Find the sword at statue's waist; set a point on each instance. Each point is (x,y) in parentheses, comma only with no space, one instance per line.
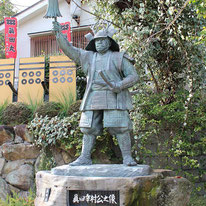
(105,79)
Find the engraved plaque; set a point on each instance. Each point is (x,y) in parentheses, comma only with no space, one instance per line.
(91,198)
(47,194)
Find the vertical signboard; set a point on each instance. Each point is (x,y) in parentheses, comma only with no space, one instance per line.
(10,37)
(6,76)
(62,79)
(66,29)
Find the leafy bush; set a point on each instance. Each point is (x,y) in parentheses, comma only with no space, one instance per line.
(74,107)
(177,131)
(46,161)
(55,131)
(16,200)
(16,113)
(65,134)
(2,108)
(169,108)
(50,109)
(197,200)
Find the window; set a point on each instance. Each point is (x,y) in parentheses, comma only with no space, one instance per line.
(48,45)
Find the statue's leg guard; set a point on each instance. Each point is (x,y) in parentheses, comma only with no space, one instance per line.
(125,147)
(87,146)
(89,138)
(120,125)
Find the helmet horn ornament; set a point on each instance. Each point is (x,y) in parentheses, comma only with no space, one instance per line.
(101,29)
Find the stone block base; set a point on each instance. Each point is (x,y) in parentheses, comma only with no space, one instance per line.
(156,189)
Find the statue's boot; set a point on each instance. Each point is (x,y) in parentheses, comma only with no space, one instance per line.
(125,147)
(85,157)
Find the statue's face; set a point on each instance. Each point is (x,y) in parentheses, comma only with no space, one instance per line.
(102,44)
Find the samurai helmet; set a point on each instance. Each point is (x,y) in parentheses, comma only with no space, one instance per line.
(101,30)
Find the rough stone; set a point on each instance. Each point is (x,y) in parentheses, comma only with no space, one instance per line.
(57,156)
(67,157)
(203,178)
(139,190)
(18,140)
(7,134)
(100,170)
(4,189)
(2,163)
(22,131)
(175,191)
(1,153)
(159,162)
(20,151)
(14,189)
(21,178)
(37,163)
(164,172)
(14,165)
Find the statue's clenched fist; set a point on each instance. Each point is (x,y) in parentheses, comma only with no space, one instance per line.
(56,27)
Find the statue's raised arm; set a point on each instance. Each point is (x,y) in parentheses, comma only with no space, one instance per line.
(69,50)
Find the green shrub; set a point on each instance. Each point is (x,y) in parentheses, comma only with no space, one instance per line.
(2,108)
(197,200)
(177,131)
(65,134)
(50,109)
(16,200)
(16,113)
(74,107)
(46,161)
(55,131)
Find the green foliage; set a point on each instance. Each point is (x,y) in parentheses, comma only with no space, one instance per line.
(66,99)
(33,104)
(65,134)
(16,113)
(6,10)
(74,107)
(177,132)
(55,131)
(16,200)
(169,108)
(46,161)
(50,109)
(200,6)
(2,108)
(197,201)
(167,57)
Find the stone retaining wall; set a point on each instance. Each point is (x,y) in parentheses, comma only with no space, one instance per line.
(20,159)
(17,160)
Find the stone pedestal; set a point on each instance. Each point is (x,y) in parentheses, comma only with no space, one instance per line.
(91,185)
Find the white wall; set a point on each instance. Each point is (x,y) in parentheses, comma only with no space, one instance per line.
(36,23)
(32,21)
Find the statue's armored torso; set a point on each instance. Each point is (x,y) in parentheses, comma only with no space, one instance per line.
(100,97)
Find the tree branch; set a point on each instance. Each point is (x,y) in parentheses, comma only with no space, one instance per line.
(171,23)
(99,17)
